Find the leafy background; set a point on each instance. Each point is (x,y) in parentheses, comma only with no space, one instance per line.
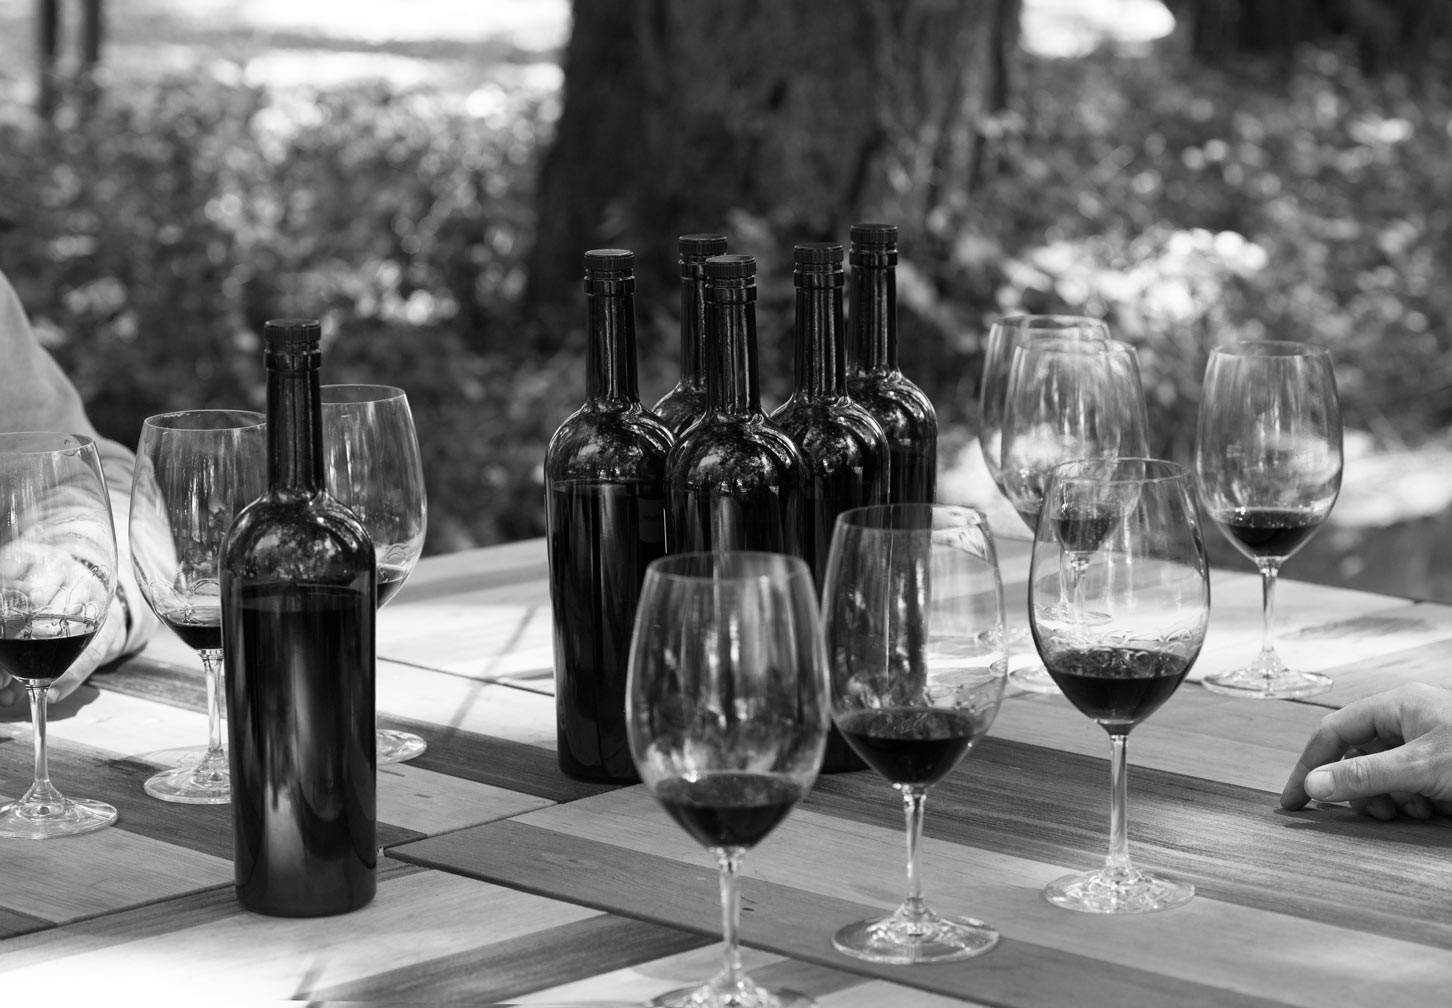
(1190,204)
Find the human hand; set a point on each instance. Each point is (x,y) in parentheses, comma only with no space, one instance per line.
(1386,755)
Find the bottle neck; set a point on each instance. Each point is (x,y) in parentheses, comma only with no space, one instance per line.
(821,367)
(611,375)
(294,423)
(693,325)
(874,317)
(731,380)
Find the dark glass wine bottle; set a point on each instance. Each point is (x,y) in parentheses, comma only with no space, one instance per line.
(844,448)
(298,587)
(734,481)
(683,404)
(605,521)
(874,378)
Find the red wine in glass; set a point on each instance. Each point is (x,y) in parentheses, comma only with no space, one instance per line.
(913,746)
(1117,687)
(1268,461)
(40,648)
(1125,644)
(1262,533)
(729,809)
(57,585)
(913,615)
(199,628)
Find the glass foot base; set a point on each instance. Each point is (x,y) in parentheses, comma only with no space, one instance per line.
(742,994)
(193,784)
(903,941)
(1255,684)
(1094,892)
(1034,678)
(45,820)
(396,746)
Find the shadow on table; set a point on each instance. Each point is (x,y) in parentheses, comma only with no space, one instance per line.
(1341,821)
(59,711)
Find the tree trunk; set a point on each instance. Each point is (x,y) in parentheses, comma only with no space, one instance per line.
(773,121)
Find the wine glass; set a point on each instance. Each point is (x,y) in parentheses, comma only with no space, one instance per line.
(1128,635)
(1268,463)
(1004,336)
(57,581)
(727,714)
(372,464)
(195,469)
(913,616)
(1065,399)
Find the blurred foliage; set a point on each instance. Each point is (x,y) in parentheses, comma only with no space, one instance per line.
(1189,205)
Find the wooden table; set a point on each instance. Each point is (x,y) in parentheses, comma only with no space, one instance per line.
(505,882)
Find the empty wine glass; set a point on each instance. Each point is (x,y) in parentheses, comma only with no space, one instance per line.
(1128,635)
(1268,462)
(195,470)
(727,714)
(1066,399)
(371,463)
(913,616)
(57,580)
(1004,337)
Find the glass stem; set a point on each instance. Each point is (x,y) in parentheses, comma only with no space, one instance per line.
(1078,564)
(912,806)
(211,670)
(729,859)
(1268,662)
(42,790)
(1117,867)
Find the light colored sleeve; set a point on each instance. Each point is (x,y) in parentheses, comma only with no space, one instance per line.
(36,395)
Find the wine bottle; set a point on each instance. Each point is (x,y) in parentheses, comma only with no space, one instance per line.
(605,521)
(844,448)
(683,404)
(298,586)
(734,481)
(874,378)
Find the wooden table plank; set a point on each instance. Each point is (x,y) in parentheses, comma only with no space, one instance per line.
(1250,743)
(209,949)
(1320,943)
(785,920)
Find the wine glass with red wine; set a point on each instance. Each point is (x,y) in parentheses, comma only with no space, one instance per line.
(57,581)
(1067,398)
(913,617)
(727,714)
(195,469)
(371,463)
(1122,641)
(1268,461)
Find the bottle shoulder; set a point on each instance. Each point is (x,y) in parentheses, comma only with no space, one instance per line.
(720,445)
(605,444)
(894,401)
(838,424)
(680,407)
(297,536)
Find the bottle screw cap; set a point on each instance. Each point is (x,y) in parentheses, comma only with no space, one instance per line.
(298,335)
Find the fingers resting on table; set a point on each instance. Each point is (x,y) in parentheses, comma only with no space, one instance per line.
(1387,755)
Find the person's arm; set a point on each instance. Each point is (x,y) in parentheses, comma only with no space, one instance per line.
(36,395)
(1387,754)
